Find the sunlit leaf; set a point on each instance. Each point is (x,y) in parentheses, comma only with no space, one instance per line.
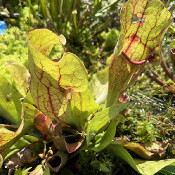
(23,171)
(149,151)
(8,137)
(10,105)
(152,167)
(107,137)
(102,118)
(81,107)
(168,170)
(99,85)
(20,75)
(52,82)
(28,98)
(139,150)
(144,167)
(46,171)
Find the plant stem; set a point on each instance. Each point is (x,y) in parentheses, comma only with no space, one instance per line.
(167,70)
(167,4)
(159,81)
(75,20)
(172,56)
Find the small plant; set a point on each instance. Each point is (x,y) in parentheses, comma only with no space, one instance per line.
(82,22)
(59,102)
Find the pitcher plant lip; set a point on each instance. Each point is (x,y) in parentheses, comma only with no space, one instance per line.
(138,62)
(61,42)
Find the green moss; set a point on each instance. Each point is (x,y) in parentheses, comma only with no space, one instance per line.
(111,38)
(13,46)
(57,52)
(29,18)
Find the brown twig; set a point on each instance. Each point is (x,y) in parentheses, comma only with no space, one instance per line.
(172,56)
(167,69)
(159,81)
(155,78)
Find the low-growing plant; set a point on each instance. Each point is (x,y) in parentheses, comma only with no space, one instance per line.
(82,22)
(60,105)
(13,46)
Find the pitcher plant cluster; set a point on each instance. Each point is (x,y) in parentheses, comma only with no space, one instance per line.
(65,107)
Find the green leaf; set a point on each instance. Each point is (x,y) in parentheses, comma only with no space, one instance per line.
(38,170)
(28,98)
(152,167)
(53,10)
(28,113)
(168,170)
(20,75)
(82,106)
(43,8)
(108,5)
(143,24)
(119,151)
(108,61)
(142,166)
(99,85)
(10,105)
(20,144)
(52,81)
(96,5)
(22,172)
(8,138)
(46,171)
(100,166)
(106,139)
(102,118)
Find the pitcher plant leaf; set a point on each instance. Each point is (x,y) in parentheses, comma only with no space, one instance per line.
(8,137)
(143,24)
(52,82)
(20,75)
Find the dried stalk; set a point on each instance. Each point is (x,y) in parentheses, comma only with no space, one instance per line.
(159,81)
(167,69)
(172,56)
(155,78)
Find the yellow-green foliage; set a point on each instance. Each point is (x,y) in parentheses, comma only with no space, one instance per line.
(13,46)
(57,52)
(110,38)
(27,21)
